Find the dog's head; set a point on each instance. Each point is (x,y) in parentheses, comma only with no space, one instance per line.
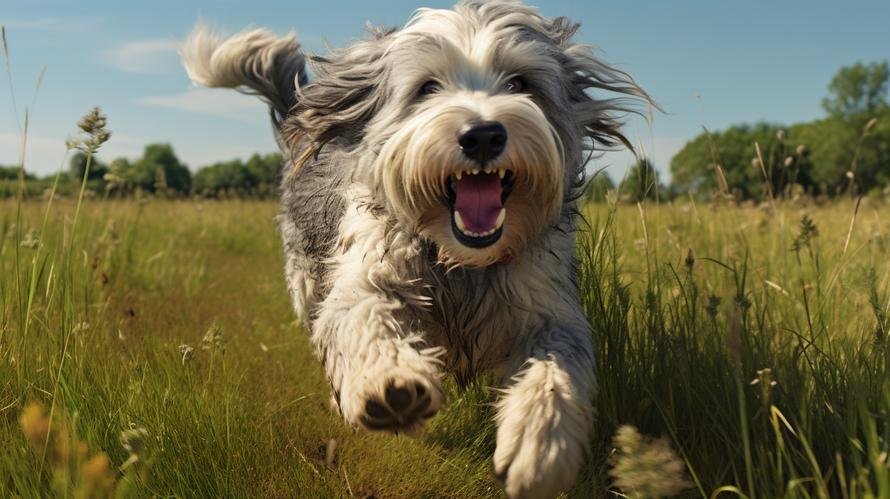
(472,125)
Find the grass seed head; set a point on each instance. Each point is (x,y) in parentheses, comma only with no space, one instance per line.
(93,132)
(646,467)
(187,353)
(213,339)
(780,135)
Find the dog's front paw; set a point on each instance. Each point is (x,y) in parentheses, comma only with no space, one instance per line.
(536,458)
(543,427)
(398,403)
(404,405)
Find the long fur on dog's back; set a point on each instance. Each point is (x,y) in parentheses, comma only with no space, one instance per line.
(255,62)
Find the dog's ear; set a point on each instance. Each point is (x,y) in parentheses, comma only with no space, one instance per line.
(339,102)
(588,78)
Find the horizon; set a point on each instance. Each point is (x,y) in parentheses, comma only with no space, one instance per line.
(757,63)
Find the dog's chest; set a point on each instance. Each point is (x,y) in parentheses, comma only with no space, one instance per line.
(473,319)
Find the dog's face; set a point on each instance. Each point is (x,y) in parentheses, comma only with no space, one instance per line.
(470,144)
(476,120)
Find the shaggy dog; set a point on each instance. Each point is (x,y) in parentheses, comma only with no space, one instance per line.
(428,215)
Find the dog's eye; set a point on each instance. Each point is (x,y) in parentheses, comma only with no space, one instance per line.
(429,88)
(515,85)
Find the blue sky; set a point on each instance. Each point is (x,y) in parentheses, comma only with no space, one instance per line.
(708,63)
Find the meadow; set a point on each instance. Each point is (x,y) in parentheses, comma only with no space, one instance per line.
(148,348)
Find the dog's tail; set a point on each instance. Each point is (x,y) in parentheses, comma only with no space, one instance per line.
(255,62)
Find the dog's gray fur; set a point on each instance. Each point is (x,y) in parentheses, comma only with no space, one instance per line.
(391,298)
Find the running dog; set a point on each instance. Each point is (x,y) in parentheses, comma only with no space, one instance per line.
(429,214)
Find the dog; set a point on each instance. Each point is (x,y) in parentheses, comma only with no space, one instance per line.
(428,214)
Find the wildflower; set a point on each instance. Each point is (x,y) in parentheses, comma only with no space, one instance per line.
(789,160)
(98,476)
(646,467)
(35,425)
(213,339)
(187,353)
(132,440)
(801,149)
(31,240)
(94,133)
(755,162)
(780,135)
(765,380)
(764,376)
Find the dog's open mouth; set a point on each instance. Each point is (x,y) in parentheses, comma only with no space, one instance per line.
(476,200)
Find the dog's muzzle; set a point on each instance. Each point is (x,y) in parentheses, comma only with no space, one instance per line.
(476,196)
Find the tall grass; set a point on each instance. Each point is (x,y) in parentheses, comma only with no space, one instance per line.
(760,350)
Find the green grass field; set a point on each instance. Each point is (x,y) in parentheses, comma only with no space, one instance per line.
(172,317)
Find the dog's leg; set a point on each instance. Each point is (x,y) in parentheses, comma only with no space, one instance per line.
(545,414)
(383,378)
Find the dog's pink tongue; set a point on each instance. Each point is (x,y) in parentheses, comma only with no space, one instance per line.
(478,200)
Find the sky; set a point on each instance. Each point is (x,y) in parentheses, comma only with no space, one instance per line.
(707,63)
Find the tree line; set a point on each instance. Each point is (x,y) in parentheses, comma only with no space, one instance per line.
(846,152)
(159,172)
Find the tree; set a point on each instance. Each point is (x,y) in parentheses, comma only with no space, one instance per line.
(264,169)
(258,177)
(859,90)
(144,172)
(78,164)
(834,143)
(12,173)
(641,182)
(222,177)
(597,187)
(727,162)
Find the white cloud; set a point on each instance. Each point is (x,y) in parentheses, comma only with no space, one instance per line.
(222,103)
(51,24)
(144,56)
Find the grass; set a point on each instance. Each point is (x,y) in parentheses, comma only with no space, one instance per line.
(98,335)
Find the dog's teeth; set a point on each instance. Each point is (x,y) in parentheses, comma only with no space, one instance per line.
(475,171)
(459,222)
(501,216)
(488,171)
(502,172)
(458,175)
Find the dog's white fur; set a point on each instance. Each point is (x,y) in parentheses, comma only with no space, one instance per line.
(391,297)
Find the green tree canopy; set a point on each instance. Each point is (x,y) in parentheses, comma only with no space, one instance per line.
(12,173)
(159,165)
(641,182)
(858,90)
(259,176)
(78,163)
(597,188)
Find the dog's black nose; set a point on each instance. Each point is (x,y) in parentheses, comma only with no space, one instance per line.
(483,141)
